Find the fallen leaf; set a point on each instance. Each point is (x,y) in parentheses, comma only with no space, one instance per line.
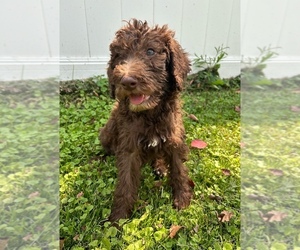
(215,197)
(33,195)
(295,108)
(3,242)
(61,243)
(79,194)
(261,198)
(226,172)
(173,230)
(237,108)
(296,91)
(225,216)
(276,172)
(76,237)
(193,117)
(158,184)
(40,228)
(27,237)
(273,216)
(238,91)
(196,229)
(159,225)
(198,144)
(242,144)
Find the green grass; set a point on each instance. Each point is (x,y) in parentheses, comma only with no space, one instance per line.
(29,197)
(87,181)
(269,174)
(270,168)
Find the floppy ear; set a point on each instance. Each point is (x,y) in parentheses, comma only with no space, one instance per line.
(179,65)
(112,86)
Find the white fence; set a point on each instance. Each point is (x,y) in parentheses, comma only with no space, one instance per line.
(70,38)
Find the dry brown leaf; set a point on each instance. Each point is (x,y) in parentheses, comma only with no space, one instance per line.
(33,195)
(193,117)
(158,184)
(173,230)
(273,216)
(215,197)
(261,198)
(61,243)
(226,172)
(76,237)
(79,194)
(225,216)
(27,237)
(196,229)
(295,108)
(3,243)
(276,172)
(237,108)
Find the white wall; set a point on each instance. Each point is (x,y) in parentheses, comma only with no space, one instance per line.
(70,38)
(274,23)
(29,39)
(88,27)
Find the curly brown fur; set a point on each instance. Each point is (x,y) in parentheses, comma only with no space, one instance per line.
(146,73)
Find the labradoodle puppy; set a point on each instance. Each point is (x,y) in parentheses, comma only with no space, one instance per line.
(146,73)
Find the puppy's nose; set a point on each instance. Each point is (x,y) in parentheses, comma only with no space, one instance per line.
(129,82)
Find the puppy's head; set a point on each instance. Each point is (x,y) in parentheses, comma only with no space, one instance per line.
(146,64)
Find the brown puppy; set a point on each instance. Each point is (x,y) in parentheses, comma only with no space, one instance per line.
(146,73)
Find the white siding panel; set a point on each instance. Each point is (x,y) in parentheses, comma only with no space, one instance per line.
(289,39)
(11,72)
(51,18)
(103,19)
(262,25)
(194,19)
(234,31)
(40,71)
(218,24)
(22,29)
(139,9)
(169,12)
(78,32)
(73,29)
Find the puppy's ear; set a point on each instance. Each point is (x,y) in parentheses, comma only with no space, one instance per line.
(112,86)
(178,64)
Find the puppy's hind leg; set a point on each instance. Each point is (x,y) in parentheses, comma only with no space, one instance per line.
(160,168)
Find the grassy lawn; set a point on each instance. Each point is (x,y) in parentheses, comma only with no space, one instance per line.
(267,209)
(257,208)
(87,181)
(270,168)
(29,198)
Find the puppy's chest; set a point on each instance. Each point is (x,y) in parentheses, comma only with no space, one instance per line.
(151,141)
(150,136)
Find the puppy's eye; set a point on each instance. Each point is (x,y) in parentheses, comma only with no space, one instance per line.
(150,52)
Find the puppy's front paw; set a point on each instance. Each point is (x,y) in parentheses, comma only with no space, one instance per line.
(183,200)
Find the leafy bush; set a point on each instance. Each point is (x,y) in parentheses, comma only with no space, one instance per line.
(208,76)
